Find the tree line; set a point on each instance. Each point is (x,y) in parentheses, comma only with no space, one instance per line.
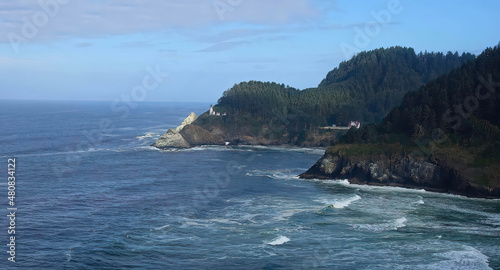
(365,89)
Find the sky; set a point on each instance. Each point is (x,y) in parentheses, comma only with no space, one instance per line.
(194,50)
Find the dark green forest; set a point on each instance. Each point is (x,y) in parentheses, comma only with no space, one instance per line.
(364,89)
(452,120)
(464,105)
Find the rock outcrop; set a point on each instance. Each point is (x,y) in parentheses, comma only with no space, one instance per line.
(400,171)
(171,139)
(187,135)
(188,121)
(196,135)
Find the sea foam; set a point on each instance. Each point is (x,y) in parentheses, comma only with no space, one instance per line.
(283,174)
(469,258)
(387,226)
(162,227)
(279,241)
(400,223)
(341,203)
(346,202)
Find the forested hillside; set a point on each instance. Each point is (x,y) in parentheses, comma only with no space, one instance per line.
(453,120)
(364,89)
(377,80)
(464,105)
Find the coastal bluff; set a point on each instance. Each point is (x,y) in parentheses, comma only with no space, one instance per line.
(399,170)
(187,135)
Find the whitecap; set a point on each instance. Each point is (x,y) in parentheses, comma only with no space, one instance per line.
(288,209)
(274,174)
(346,202)
(147,135)
(281,175)
(249,217)
(208,148)
(162,227)
(400,223)
(315,151)
(279,241)
(193,223)
(469,258)
(381,227)
(148,147)
(341,203)
(387,189)
(343,182)
(384,189)
(285,214)
(223,221)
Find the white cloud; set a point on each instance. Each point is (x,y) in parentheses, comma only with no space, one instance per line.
(94,19)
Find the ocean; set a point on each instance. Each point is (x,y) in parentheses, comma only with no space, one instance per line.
(92,194)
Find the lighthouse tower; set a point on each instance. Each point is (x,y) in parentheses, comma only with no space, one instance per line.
(211,111)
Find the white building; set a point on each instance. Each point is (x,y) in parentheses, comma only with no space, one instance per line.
(212,112)
(354,124)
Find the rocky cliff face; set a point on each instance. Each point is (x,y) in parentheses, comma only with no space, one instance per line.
(196,135)
(400,171)
(187,135)
(171,139)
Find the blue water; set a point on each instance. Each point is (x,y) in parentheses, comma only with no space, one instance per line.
(106,200)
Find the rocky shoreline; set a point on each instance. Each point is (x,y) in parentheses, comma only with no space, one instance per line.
(396,170)
(189,134)
(399,171)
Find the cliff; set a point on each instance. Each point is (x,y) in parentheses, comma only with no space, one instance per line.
(429,141)
(396,167)
(196,135)
(187,135)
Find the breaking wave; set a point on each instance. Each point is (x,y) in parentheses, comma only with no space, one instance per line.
(388,226)
(279,241)
(274,174)
(341,203)
(469,258)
